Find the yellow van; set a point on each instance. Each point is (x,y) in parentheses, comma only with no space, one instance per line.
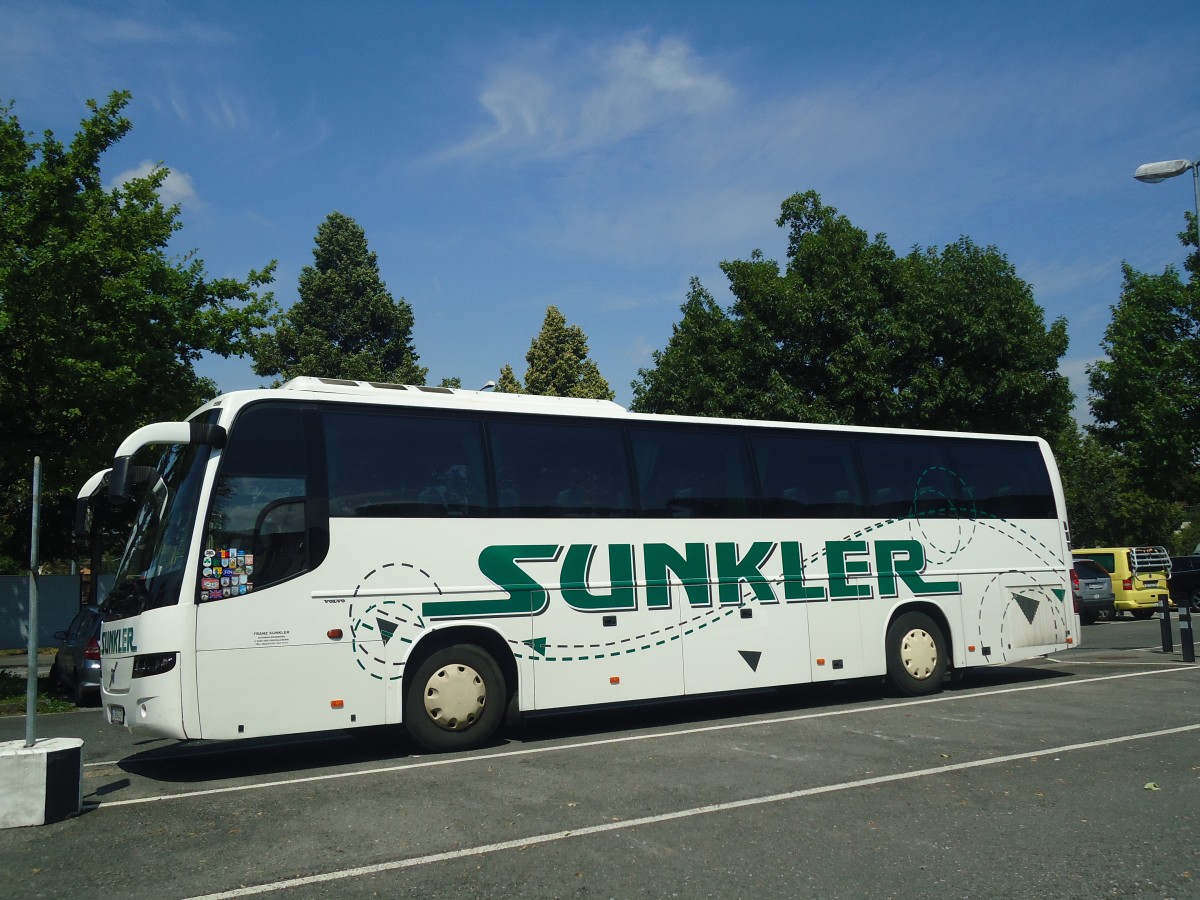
(1139,575)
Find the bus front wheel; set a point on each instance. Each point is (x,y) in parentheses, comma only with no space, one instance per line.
(916,655)
(455,700)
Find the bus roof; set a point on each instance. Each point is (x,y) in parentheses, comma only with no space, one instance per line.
(344,390)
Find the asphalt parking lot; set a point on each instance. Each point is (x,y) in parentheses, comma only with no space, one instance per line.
(1074,776)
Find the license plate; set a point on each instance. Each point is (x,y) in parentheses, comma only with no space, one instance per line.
(1151,584)
(116,715)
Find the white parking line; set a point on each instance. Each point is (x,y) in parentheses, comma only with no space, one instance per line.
(657,735)
(551,837)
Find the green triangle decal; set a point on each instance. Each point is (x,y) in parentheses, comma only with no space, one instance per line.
(1059,593)
(386,629)
(538,645)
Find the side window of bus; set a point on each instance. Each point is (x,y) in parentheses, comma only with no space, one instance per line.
(693,473)
(809,476)
(555,468)
(1005,480)
(908,477)
(256,526)
(395,463)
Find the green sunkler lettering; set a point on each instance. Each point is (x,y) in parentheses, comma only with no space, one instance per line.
(854,569)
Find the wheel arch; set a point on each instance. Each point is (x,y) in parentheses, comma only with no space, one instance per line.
(939,617)
(484,638)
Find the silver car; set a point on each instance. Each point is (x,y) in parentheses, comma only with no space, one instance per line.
(77,664)
(1092,589)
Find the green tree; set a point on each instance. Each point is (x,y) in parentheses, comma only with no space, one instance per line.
(100,328)
(1145,393)
(821,338)
(345,324)
(559,365)
(979,356)
(700,370)
(1106,504)
(850,333)
(508,383)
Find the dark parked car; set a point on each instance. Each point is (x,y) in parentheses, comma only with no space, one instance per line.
(77,664)
(1092,589)
(1184,583)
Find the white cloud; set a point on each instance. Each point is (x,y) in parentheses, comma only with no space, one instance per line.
(176,187)
(558,101)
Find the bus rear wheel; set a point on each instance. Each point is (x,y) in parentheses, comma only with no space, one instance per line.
(455,700)
(916,655)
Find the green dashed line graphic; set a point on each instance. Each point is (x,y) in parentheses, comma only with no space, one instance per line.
(386,620)
(541,650)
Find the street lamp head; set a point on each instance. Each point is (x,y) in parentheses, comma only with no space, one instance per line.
(1152,173)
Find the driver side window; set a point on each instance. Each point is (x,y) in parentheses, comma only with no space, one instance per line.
(257,529)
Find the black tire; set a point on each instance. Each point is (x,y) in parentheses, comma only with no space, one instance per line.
(55,675)
(916,655)
(1194,600)
(1143,614)
(1087,618)
(455,699)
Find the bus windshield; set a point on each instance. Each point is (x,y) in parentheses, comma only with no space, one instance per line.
(151,571)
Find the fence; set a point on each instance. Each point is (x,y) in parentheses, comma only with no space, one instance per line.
(58,601)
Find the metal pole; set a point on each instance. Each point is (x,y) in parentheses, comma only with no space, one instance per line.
(1196,189)
(1186,640)
(1164,607)
(32,671)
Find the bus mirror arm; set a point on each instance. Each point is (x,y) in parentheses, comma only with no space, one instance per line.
(83,501)
(124,477)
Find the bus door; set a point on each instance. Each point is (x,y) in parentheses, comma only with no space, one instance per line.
(270,651)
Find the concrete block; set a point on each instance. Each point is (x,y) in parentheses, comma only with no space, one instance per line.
(42,783)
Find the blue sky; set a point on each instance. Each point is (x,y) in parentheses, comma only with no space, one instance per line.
(505,156)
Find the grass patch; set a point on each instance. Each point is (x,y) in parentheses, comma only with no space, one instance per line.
(13,690)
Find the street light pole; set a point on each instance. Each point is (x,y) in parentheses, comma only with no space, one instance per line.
(1153,173)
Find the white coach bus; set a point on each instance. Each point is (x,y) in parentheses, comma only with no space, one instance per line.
(333,554)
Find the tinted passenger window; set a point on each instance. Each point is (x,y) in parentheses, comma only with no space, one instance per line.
(908,477)
(693,473)
(1089,569)
(807,476)
(1005,480)
(395,463)
(553,468)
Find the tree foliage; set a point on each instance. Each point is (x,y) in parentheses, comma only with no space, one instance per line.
(99,327)
(700,371)
(1145,393)
(508,382)
(850,333)
(558,364)
(345,324)
(1106,502)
